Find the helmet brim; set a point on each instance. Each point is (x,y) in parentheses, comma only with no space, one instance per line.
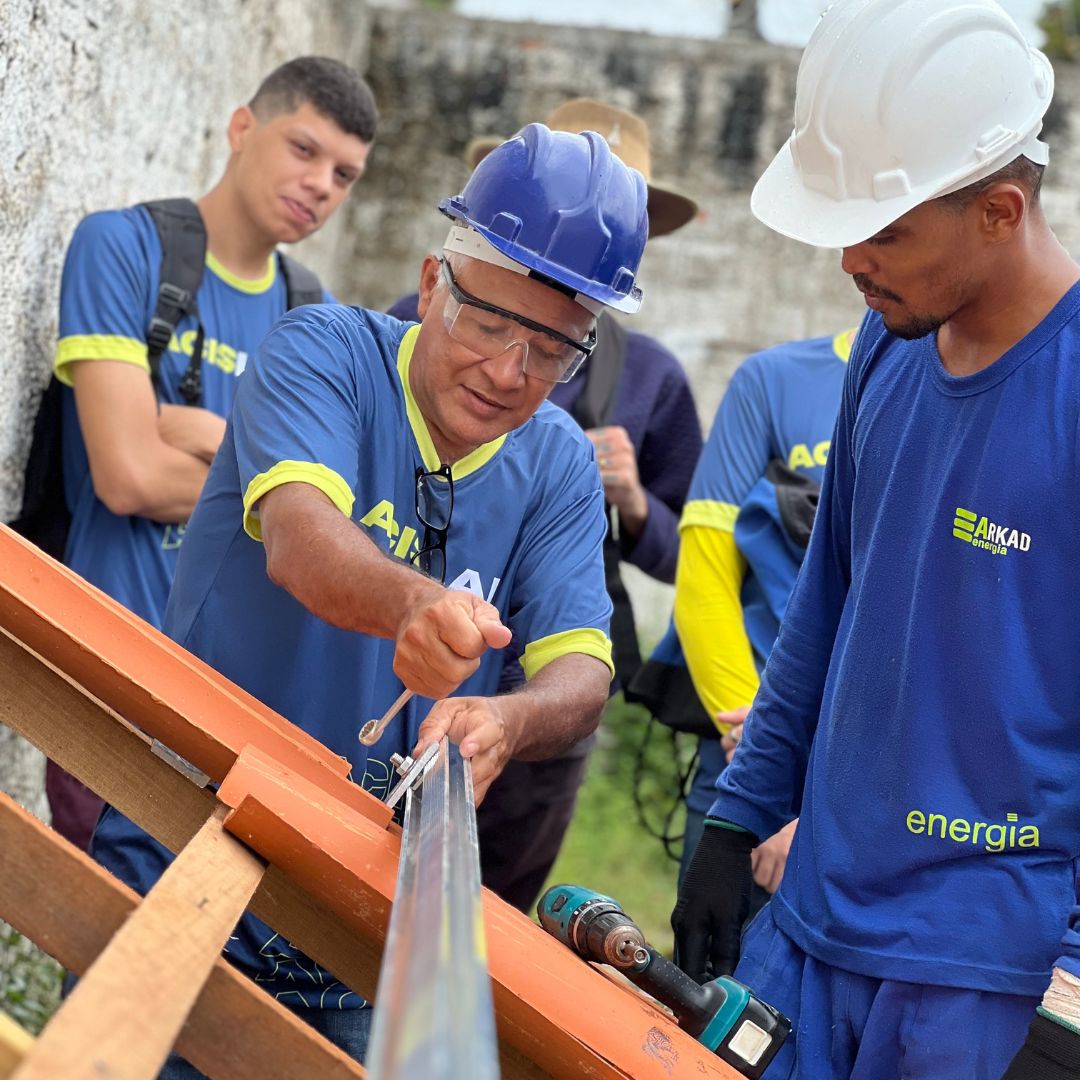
(668,209)
(781,201)
(512,257)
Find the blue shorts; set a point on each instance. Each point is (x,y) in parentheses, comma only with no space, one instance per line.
(852,1027)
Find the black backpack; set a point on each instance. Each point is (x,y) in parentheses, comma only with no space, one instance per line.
(44,518)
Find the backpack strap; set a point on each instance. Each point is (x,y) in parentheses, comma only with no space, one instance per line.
(182,233)
(302,286)
(593,408)
(603,370)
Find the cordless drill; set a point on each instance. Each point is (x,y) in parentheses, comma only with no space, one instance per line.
(722,1015)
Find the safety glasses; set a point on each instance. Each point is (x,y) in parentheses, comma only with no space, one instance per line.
(434,505)
(489,331)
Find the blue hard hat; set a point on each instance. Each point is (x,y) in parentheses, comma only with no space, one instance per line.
(565,207)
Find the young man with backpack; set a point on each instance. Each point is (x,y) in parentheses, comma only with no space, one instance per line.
(161,304)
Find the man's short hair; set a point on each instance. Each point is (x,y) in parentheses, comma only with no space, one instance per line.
(332,88)
(1020,170)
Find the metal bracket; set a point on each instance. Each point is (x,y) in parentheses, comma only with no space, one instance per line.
(181,765)
(411,773)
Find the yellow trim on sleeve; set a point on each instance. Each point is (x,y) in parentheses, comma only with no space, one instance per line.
(244,285)
(70,350)
(588,640)
(709,514)
(709,620)
(326,480)
(470,462)
(843,342)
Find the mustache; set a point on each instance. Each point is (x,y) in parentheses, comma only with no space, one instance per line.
(864,284)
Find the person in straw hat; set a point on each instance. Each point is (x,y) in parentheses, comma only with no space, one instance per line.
(633,401)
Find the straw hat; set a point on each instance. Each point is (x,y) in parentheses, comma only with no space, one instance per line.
(628,136)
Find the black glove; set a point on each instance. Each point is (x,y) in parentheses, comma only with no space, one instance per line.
(1050,1052)
(714,899)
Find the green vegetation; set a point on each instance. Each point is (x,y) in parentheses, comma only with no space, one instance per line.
(607,847)
(29,981)
(1060,22)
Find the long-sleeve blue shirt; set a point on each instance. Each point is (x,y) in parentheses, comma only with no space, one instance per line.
(921,706)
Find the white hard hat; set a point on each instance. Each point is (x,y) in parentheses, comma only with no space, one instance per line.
(898,102)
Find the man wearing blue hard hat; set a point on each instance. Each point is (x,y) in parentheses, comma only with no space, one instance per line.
(391,502)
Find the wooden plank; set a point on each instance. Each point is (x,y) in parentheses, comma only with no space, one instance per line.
(114,759)
(140,673)
(125,1013)
(15,1043)
(539,986)
(75,924)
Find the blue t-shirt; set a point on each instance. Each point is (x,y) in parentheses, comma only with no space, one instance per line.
(781,403)
(326,401)
(108,295)
(919,709)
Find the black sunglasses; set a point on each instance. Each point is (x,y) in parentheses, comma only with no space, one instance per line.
(434,506)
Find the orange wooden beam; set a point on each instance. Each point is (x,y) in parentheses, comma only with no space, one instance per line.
(113,759)
(146,677)
(291,802)
(540,987)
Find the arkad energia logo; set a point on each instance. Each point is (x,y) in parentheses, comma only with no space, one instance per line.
(981,532)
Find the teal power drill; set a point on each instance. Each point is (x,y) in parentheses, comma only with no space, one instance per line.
(722,1015)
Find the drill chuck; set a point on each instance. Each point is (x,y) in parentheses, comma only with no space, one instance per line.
(599,930)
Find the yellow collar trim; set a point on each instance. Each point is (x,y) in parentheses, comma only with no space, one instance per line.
(843,342)
(245,285)
(471,461)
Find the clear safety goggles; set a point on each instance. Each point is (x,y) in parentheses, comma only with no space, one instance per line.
(489,331)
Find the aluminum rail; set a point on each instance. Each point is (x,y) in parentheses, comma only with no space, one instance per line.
(434,1018)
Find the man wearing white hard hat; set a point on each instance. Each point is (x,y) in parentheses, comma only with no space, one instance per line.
(919,707)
